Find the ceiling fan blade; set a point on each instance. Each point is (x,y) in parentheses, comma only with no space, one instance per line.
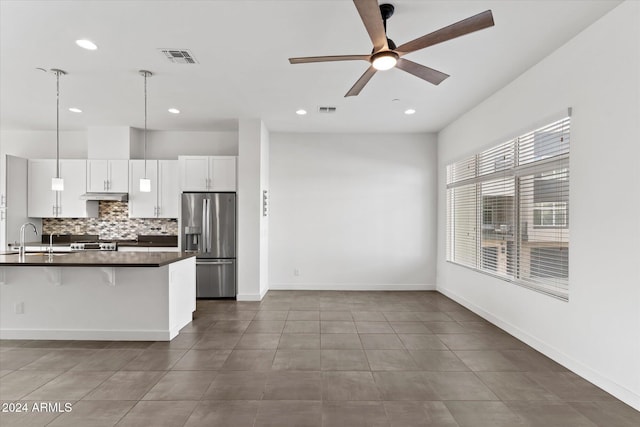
(308,59)
(372,19)
(474,23)
(362,81)
(425,73)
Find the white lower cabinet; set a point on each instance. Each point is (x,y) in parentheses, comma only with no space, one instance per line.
(42,202)
(163,199)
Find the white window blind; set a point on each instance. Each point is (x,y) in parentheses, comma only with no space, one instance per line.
(508,210)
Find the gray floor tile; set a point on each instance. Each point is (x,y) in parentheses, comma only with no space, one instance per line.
(93,414)
(217,342)
(437,360)
(340,342)
(32,418)
(229,327)
(433,316)
(343,360)
(237,385)
(287,385)
(59,360)
(16,358)
(514,386)
(349,385)
(354,414)
(183,341)
(466,341)
(568,386)
(181,385)
(258,341)
(299,341)
(158,414)
(374,328)
(409,328)
(223,413)
(381,341)
(419,414)
(283,413)
(249,360)
(336,315)
(337,327)
(485,360)
(614,413)
(484,414)
(390,360)
(421,342)
(368,316)
(458,386)
(304,315)
(297,360)
(549,414)
(446,328)
(265,327)
(302,327)
(125,385)
(72,385)
(108,360)
(155,360)
(531,361)
(401,316)
(202,360)
(403,386)
(18,384)
(271,315)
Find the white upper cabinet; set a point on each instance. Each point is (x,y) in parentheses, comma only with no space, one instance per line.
(162,200)
(107,176)
(168,189)
(207,173)
(42,202)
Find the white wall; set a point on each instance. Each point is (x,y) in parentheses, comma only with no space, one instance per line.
(596,333)
(42,144)
(253,140)
(160,144)
(352,211)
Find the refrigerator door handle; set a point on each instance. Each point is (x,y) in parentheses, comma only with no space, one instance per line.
(214,262)
(205,225)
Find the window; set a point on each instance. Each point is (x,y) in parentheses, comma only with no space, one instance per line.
(508,210)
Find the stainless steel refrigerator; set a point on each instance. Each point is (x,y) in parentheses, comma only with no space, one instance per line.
(209,228)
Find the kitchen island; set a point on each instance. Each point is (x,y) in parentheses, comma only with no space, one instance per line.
(96,295)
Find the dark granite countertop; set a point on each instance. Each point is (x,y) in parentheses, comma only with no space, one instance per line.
(95,259)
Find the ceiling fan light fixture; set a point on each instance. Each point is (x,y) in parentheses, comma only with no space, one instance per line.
(386,60)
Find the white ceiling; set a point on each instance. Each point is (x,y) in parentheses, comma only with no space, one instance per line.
(243,72)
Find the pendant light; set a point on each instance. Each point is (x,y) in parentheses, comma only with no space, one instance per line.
(57,183)
(145,183)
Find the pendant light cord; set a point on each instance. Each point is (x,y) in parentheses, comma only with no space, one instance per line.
(145,125)
(57,124)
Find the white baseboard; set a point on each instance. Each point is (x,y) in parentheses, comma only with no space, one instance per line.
(350,287)
(621,392)
(82,335)
(252,297)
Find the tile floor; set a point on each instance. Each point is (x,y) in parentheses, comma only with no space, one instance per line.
(306,359)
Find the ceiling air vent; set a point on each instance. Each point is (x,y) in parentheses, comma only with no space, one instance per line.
(179,56)
(327,110)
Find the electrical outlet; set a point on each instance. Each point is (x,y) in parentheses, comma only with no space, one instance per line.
(18,308)
(296,271)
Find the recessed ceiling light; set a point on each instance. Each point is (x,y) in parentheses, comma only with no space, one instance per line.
(301,112)
(75,110)
(86,44)
(409,111)
(174,111)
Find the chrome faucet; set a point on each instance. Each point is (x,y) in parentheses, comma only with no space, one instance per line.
(22,247)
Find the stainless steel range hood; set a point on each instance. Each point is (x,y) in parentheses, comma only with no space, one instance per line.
(113,197)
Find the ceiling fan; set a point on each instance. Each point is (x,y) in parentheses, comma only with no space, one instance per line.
(385,55)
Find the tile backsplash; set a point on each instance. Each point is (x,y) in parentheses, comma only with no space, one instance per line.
(113,222)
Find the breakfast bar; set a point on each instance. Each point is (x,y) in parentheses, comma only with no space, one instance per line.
(96,295)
